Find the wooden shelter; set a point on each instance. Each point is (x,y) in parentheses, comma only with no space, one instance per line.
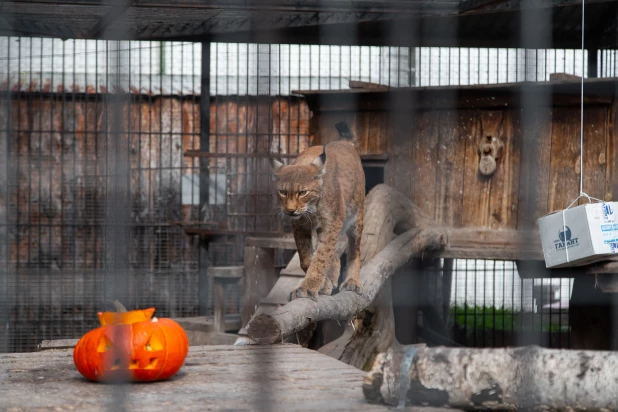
(468,170)
(431,142)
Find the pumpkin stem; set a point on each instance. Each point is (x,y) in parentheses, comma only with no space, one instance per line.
(119,306)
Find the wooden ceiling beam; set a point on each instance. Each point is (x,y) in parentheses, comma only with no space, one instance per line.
(117,9)
(492,6)
(289,6)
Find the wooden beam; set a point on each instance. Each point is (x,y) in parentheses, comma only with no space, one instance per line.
(560,93)
(271,243)
(203,154)
(209,233)
(117,9)
(535,269)
(355,84)
(479,243)
(354,6)
(493,6)
(490,244)
(480,5)
(226,272)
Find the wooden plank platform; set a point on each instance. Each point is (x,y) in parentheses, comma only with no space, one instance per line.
(464,243)
(239,378)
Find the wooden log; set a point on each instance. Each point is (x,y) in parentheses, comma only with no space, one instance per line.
(529,378)
(287,320)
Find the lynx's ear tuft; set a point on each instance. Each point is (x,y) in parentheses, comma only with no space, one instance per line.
(320,164)
(276,166)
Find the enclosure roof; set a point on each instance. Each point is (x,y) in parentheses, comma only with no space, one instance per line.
(560,92)
(482,23)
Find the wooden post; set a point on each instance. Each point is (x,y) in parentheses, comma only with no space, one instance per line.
(219,314)
(405,297)
(221,277)
(590,315)
(447,284)
(431,302)
(260,276)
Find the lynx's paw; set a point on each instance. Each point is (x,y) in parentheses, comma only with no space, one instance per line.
(302,292)
(327,289)
(352,285)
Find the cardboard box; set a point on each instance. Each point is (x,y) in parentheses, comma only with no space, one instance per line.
(588,233)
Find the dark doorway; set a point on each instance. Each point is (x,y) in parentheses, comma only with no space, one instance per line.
(374,175)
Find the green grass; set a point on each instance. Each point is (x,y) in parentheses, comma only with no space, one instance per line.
(499,319)
(484,317)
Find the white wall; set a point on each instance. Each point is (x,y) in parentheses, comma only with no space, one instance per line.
(175,67)
(497,283)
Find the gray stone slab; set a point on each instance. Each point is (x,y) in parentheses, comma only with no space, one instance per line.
(214,378)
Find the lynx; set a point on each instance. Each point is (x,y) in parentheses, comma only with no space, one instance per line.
(324,189)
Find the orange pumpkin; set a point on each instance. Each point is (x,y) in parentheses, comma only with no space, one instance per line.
(131,346)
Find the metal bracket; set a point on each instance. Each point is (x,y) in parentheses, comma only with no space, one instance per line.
(490,150)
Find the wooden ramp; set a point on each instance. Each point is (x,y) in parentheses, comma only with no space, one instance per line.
(214,378)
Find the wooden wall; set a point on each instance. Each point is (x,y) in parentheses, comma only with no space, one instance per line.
(431,137)
(60,157)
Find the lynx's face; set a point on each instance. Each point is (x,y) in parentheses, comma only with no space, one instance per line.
(299,187)
(298,191)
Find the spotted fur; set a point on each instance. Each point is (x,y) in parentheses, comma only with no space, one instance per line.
(324,190)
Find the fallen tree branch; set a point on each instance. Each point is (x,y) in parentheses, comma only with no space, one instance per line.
(288,319)
(529,378)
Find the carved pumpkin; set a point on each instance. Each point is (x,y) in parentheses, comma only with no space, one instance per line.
(131,346)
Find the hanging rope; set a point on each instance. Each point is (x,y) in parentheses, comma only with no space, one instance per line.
(581,142)
(581,125)
(581,131)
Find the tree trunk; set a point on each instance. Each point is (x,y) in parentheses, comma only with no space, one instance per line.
(373,331)
(528,378)
(387,213)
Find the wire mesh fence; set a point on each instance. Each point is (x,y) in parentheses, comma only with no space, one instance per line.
(105,135)
(492,306)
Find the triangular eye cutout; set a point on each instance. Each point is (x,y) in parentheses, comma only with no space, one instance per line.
(104,344)
(154,344)
(152,363)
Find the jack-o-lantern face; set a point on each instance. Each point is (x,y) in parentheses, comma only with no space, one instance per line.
(131,346)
